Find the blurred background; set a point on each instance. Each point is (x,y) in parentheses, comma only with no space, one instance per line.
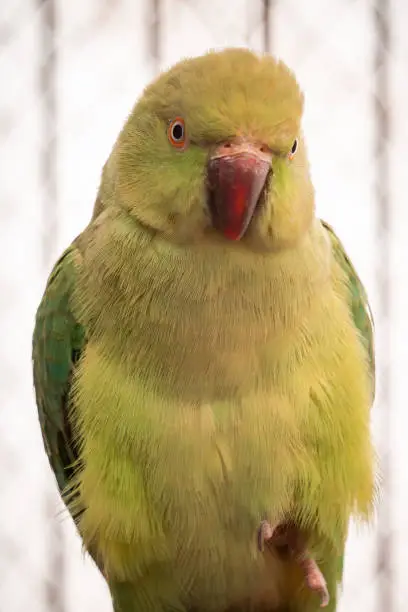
(69,74)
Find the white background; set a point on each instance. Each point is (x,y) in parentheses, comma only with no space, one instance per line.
(103,55)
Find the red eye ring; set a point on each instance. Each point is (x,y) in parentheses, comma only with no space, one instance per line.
(176,133)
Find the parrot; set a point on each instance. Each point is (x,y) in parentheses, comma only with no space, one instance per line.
(203,355)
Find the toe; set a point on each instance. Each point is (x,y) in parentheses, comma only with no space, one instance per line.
(265,532)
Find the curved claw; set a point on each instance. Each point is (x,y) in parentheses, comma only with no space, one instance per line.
(315,580)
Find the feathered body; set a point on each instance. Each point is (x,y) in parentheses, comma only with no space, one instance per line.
(217,382)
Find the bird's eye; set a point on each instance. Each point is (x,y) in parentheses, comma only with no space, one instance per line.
(176,133)
(293,150)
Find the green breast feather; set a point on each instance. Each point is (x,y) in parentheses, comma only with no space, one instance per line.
(59,339)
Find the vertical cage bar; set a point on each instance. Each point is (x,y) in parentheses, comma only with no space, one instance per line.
(48,159)
(266,21)
(155,32)
(382,110)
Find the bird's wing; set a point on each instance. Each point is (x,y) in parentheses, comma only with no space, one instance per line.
(359,304)
(58,341)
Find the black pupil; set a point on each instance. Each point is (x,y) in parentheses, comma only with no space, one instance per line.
(294,147)
(178,131)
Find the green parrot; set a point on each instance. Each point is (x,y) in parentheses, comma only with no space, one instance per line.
(203,356)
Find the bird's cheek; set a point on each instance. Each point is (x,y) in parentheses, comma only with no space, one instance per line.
(284,217)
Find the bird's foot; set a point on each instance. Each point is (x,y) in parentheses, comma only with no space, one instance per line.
(281,535)
(314,577)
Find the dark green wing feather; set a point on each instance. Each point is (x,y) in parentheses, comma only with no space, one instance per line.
(360,307)
(57,344)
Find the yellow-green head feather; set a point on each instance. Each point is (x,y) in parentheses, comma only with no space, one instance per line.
(221,95)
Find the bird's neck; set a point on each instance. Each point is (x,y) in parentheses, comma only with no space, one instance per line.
(144,279)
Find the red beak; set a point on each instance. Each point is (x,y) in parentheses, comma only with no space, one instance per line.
(237,174)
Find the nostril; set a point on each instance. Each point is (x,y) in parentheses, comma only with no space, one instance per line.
(264,149)
(227,145)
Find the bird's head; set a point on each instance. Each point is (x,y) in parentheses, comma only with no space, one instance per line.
(214,150)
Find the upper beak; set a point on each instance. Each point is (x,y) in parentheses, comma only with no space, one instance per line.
(237,173)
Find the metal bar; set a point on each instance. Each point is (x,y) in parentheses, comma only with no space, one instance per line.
(49,117)
(155,32)
(382,110)
(267,22)
(54,587)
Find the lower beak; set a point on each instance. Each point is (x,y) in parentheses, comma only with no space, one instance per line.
(236,175)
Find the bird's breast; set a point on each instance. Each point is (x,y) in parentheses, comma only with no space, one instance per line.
(217,349)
